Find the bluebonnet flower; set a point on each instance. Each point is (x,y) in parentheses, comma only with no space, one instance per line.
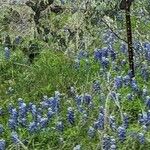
(105,52)
(106,142)
(87,98)
(112,123)
(82,54)
(118,82)
(22,110)
(99,124)
(113,147)
(1,129)
(144,93)
(147,101)
(147,55)
(91,106)
(130,74)
(123,48)
(96,125)
(70,116)
(109,37)
(30,106)
(7,53)
(54,104)
(44,104)
(1,111)
(129,96)
(38,119)
(84,116)
(33,110)
(121,133)
(141,120)
(50,113)
(14,114)
(15,138)
(96,86)
(33,127)
(144,127)
(80,108)
(57,95)
(134,86)
(60,126)
(101,110)
(105,62)
(20,101)
(77,63)
(113,95)
(12,123)
(126,80)
(113,144)
(77,147)
(141,138)
(125,120)
(2,144)
(146,45)
(106,37)
(145,73)
(113,54)
(39,111)
(137,45)
(97,54)
(79,99)
(18,40)
(91,132)
(145,117)
(43,122)
(148,115)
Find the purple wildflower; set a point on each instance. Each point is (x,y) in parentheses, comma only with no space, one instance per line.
(118,82)
(91,132)
(106,142)
(87,98)
(70,116)
(60,126)
(1,129)
(125,120)
(141,138)
(15,138)
(33,127)
(2,144)
(112,123)
(7,53)
(121,133)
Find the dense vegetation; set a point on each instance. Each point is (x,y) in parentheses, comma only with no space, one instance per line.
(65,81)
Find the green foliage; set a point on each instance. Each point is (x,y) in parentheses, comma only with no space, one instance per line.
(54,68)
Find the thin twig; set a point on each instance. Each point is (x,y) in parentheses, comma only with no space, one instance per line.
(22,65)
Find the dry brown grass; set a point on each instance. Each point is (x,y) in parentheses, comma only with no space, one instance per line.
(24,27)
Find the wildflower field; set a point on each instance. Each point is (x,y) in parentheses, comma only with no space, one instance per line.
(65,80)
